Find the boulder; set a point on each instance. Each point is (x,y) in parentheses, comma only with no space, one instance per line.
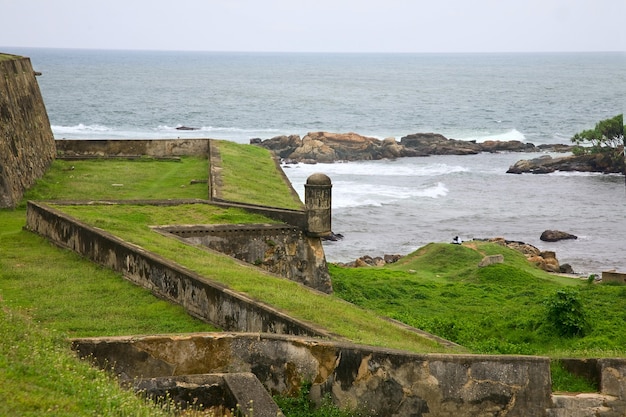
(604,162)
(436,144)
(555,236)
(491,260)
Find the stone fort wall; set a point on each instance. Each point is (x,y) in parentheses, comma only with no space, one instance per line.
(27,146)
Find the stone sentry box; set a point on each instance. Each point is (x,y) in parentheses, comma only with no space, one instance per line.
(318,201)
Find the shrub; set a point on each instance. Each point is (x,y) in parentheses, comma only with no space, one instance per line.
(566,313)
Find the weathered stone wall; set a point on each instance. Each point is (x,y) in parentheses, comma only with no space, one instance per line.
(132,148)
(26,140)
(280,249)
(380,381)
(610,276)
(201,297)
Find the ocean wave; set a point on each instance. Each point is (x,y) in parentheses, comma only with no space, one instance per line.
(349,195)
(480,137)
(80,128)
(383,168)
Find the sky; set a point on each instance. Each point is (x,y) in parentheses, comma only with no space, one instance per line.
(317,25)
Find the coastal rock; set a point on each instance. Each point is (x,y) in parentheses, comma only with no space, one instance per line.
(368,261)
(545,260)
(600,162)
(556,235)
(330,147)
(436,144)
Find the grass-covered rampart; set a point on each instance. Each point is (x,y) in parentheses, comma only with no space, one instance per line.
(48,294)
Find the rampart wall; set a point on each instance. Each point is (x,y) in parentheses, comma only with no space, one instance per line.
(202,298)
(380,381)
(280,249)
(26,142)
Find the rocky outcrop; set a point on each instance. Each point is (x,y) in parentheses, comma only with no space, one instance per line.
(545,260)
(330,147)
(604,162)
(436,144)
(556,235)
(365,261)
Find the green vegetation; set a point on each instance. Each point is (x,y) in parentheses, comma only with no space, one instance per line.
(122,180)
(564,381)
(605,142)
(301,406)
(507,308)
(131,223)
(606,135)
(40,376)
(59,293)
(48,294)
(249,175)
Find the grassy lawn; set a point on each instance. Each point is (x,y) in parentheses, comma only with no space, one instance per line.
(249,175)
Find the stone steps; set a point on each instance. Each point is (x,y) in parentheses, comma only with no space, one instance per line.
(586,405)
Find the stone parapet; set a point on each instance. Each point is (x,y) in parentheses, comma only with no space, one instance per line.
(381,382)
(201,297)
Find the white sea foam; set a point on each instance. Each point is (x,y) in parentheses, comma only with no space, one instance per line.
(508,135)
(79,129)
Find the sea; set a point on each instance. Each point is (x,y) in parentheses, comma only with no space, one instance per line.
(387,206)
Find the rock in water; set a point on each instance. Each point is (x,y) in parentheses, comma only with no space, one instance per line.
(556,235)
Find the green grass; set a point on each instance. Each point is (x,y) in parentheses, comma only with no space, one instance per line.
(131,223)
(498,309)
(48,294)
(249,175)
(40,376)
(564,381)
(75,297)
(122,180)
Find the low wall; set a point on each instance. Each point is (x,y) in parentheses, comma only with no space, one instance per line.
(205,299)
(280,249)
(131,148)
(380,381)
(610,276)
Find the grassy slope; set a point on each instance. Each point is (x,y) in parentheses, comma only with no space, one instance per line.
(496,309)
(48,294)
(447,294)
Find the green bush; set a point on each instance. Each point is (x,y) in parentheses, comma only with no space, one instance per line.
(566,313)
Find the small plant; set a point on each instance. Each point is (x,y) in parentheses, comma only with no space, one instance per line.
(302,406)
(565,311)
(565,381)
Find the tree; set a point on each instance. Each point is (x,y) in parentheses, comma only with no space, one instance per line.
(607,136)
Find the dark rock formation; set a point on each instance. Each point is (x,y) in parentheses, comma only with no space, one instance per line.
(604,162)
(556,235)
(436,144)
(330,147)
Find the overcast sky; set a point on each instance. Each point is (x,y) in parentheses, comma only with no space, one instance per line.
(317,25)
